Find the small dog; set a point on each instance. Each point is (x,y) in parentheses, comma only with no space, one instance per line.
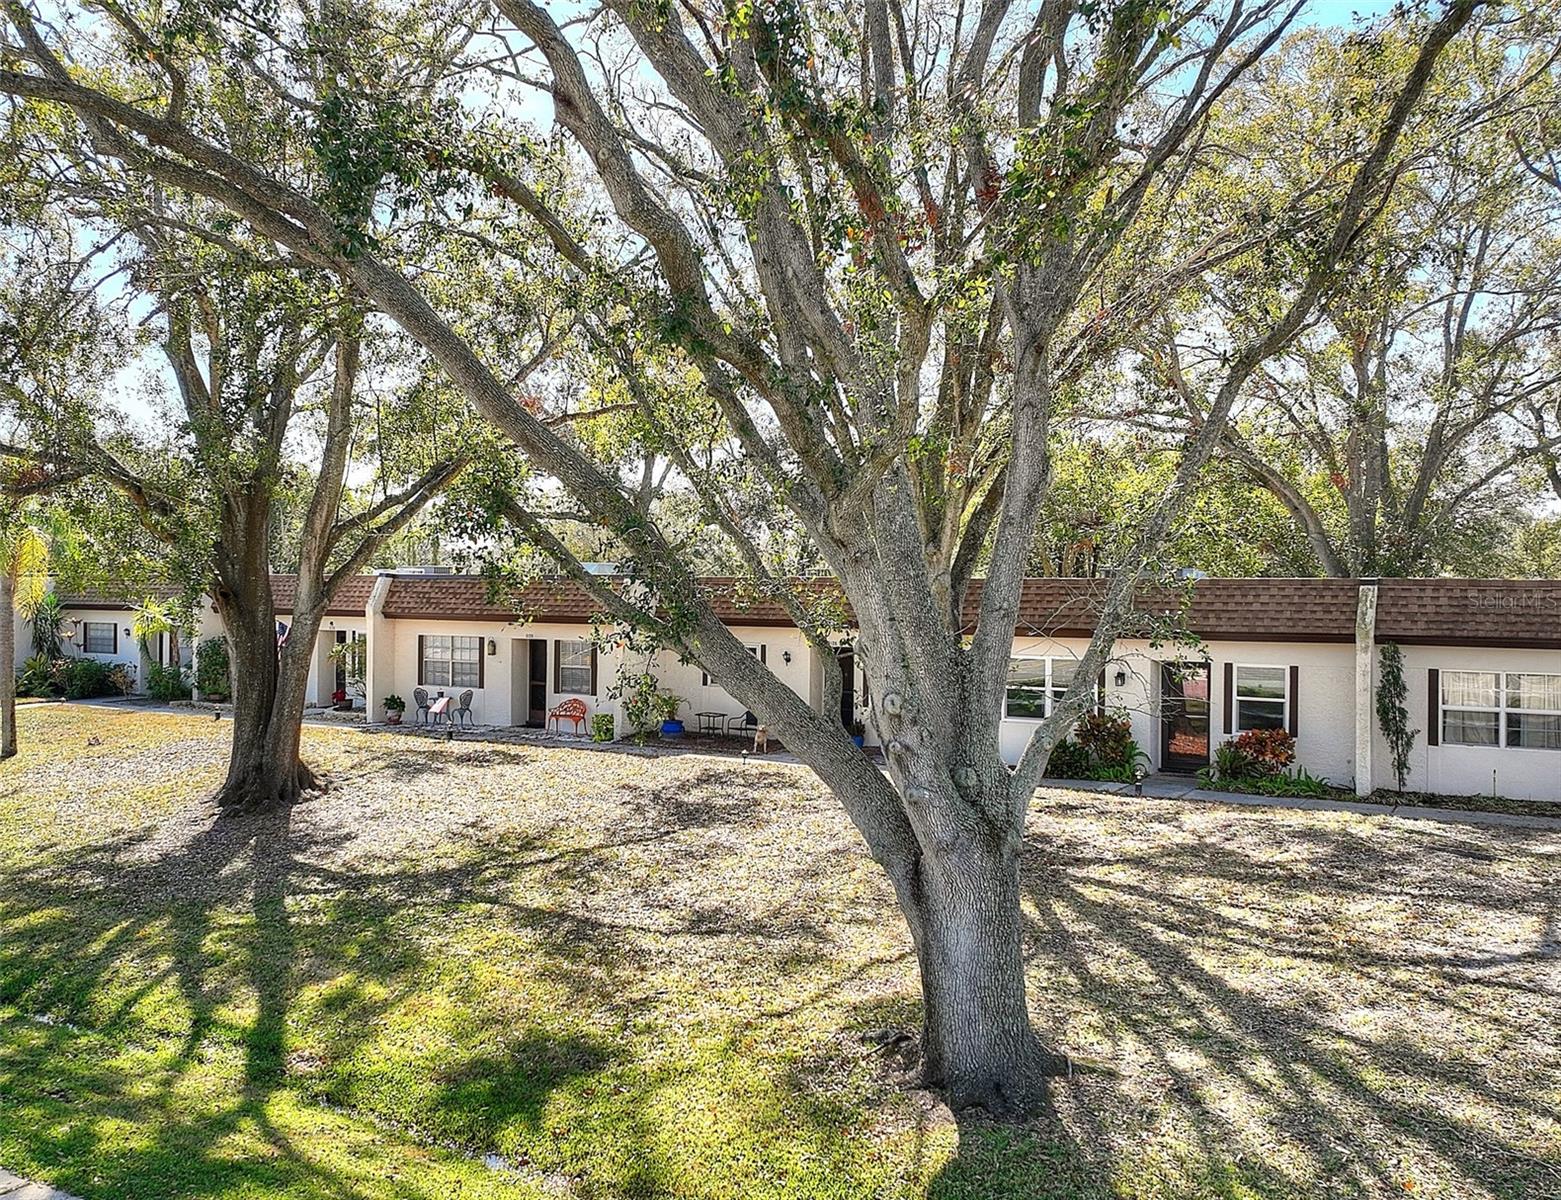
(761,739)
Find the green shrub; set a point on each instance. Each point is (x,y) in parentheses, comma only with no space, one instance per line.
(1289,783)
(603,727)
(48,622)
(211,670)
(1102,747)
(39,677)
(1256,762)
(167,683)
(87,678)
(1250,758)
(1069,760)
(1108,737)
(645,705)
(1229,765)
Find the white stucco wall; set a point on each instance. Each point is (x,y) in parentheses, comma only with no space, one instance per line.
(501,699)
(686,679)
(1325,739)
(128,654)
(23,632)
(1326,683)
(1514,772)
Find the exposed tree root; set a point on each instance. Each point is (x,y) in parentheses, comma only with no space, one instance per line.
(266,790)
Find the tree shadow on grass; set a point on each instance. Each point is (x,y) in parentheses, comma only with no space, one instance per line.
(1271,1044)
(174,959)
(124,942)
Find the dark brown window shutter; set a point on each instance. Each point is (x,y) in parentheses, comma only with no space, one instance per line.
(1100,693)
(1433,729)
(420,660)
(1230,697)
(115,627)
(482,662)
(593,670)
(1295,701)
(558,668)
(763,653)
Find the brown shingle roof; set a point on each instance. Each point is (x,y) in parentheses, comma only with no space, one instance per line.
(118,597)
(350,599)
(1470,612)
(1475,612)
(1467,612)
(556,599)
(1293,610)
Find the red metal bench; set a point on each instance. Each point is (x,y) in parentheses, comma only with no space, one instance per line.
(569,710)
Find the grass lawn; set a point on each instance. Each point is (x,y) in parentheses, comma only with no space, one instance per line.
(503,971)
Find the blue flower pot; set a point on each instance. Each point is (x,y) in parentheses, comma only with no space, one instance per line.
(860,739)
(672,729)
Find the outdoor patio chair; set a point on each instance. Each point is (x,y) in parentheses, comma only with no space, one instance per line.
(420,698)
(743,724)
(463,710)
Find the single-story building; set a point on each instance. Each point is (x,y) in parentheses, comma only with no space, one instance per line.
(99,624)
(1481,663)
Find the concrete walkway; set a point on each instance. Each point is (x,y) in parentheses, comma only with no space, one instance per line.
(14,1187)
(1170,787)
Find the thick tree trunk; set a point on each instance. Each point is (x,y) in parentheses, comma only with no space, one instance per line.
(265,771)
(978,1045)
(7,666)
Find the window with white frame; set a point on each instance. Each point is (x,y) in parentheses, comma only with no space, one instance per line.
(574,668)
(1521,710)
(97,637)
(1035,685)
(756,651)
(451,661)
(1262,697)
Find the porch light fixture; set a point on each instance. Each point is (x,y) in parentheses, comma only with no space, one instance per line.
(1121,677)
(127,631)
(493,646)
(786,657)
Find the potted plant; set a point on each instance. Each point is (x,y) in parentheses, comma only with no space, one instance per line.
(859,734)
(669,704)
(394,707)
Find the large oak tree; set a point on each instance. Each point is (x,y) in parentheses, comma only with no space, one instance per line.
(881,238)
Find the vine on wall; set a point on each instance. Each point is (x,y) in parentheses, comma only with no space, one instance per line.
(1392,715)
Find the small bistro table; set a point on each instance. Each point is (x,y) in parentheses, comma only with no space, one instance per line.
(711,722)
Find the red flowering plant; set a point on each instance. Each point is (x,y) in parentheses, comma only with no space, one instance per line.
(1265,751)
(1108,737)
